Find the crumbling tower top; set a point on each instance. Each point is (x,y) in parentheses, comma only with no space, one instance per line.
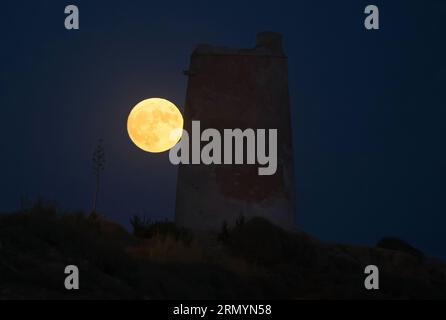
(268,43)
(271,41)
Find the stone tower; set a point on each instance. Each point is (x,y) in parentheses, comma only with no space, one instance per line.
(238,88)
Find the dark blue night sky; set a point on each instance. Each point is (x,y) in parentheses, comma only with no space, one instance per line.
(368,107)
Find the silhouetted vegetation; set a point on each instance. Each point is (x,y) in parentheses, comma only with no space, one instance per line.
(98,161)
(240,221)
(392,243)
(223,236)
(37,244)
(144,228)
(257,260)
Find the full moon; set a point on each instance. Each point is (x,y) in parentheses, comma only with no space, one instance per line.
(155,125)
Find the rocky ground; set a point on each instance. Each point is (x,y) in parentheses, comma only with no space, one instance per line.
(253,260)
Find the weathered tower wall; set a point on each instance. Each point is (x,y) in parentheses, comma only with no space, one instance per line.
(228,89)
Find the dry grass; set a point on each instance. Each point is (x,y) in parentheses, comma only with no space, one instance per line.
(166,248)
(239,266)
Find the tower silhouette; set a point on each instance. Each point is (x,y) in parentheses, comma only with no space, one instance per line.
(238,88)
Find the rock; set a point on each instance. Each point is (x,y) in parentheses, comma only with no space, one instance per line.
(399,245)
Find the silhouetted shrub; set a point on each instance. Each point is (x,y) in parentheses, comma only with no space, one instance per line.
(144,228)
(240,221)
(262,242)
(396,244)
(223,236)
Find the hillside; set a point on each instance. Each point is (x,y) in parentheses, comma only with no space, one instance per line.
(254,260)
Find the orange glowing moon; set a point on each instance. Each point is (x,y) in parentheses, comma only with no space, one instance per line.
(155,125)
